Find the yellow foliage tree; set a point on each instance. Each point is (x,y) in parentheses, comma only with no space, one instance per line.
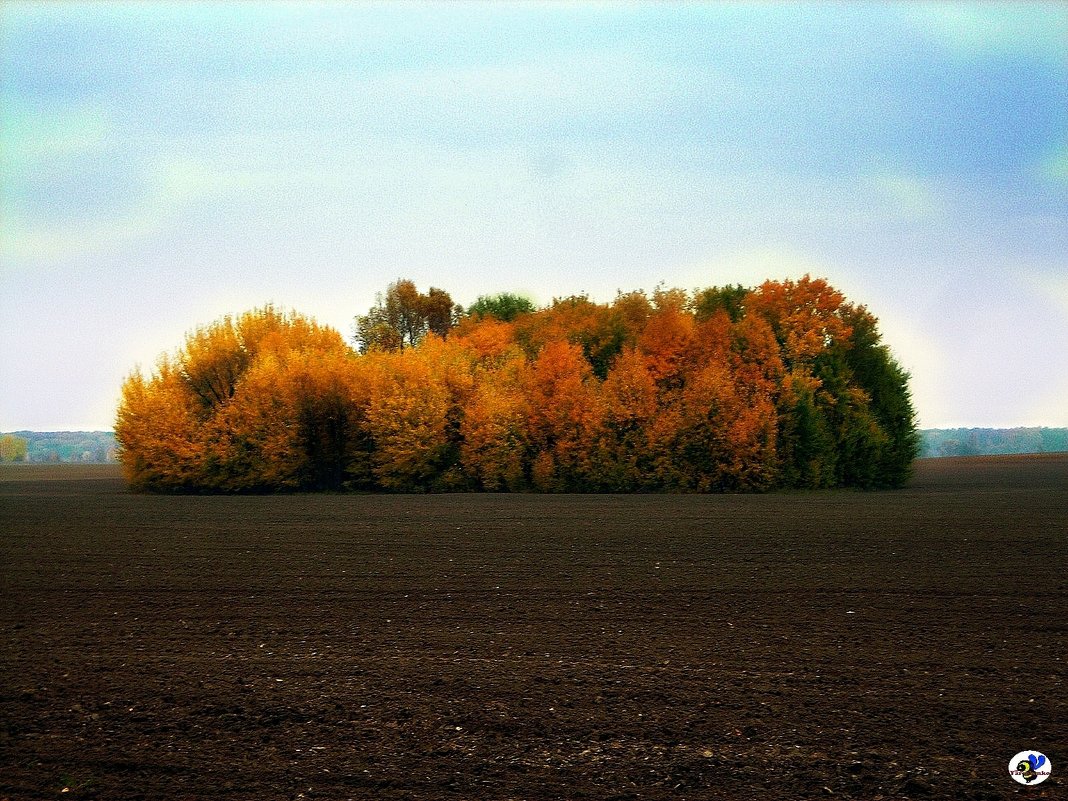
(195,425)
(495,431)
(295,422)
(160,431)
(407,419)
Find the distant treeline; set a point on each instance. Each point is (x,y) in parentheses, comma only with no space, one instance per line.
(991,441)
(100,446)
(58,446)
(723,389)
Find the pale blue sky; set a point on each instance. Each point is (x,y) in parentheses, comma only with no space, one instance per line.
(165,164)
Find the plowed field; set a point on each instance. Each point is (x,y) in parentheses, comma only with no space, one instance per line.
(858,645)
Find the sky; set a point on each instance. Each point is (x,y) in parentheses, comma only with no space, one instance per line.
(162,165)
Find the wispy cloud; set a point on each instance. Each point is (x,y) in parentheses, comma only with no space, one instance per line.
(36,138)
(910,196)
(28,245)
(1052,285)
(974,30)
(1055,168)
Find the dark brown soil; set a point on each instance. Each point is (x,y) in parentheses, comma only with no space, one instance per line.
(800,645)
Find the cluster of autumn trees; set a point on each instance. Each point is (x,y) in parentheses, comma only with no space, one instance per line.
(724,389)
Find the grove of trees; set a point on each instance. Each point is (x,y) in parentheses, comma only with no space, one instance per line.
(724,389)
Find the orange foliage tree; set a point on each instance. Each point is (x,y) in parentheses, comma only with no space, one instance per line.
(565,417)
(157,425)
